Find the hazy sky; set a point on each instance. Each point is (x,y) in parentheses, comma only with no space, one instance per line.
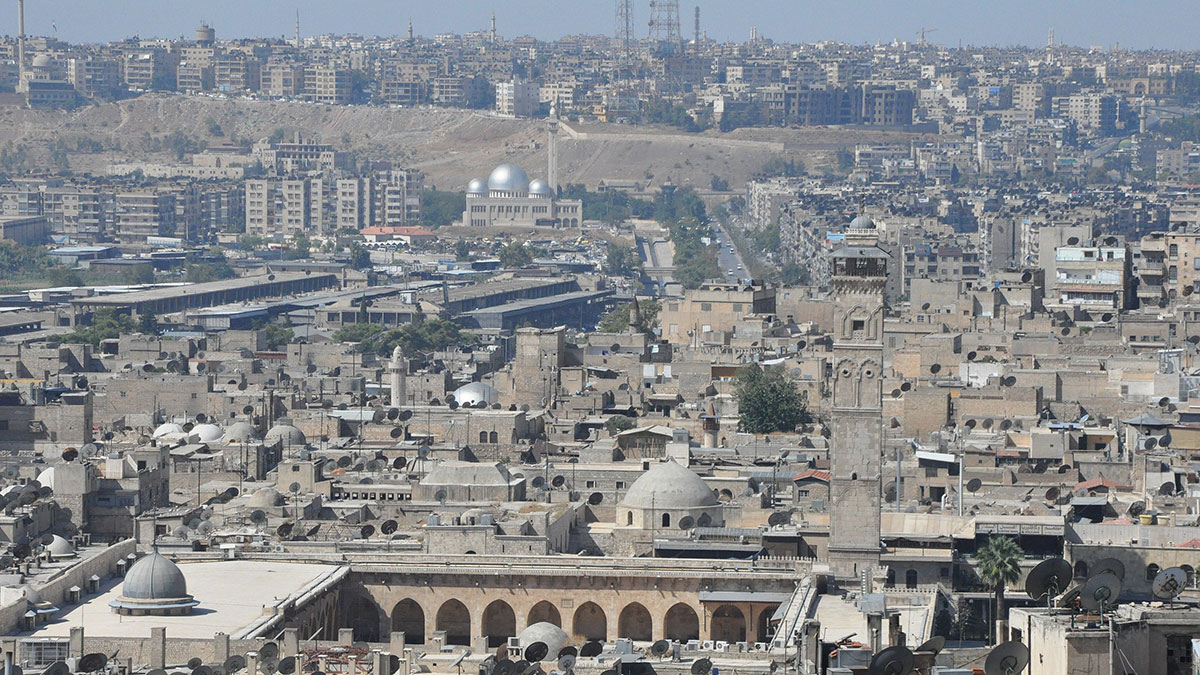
(1172,24)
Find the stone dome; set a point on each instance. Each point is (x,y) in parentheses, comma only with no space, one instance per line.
(265,498)
(508,178)
(154,577)
(862,222)
(166,429)
(473,393)
(46,477)
(207,433)
(476,187)
(241,432)
(286,434)
(41,61)
(540,188)
(669,486)
(543,631)
(60,548)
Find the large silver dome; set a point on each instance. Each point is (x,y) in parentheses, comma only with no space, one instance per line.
(154,578)
(508,178)
(540,188)
(476,187)
(862,222)
(669,485)
(476,392)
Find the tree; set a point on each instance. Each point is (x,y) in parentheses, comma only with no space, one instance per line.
(778,166)
(361,333)
(107,324)
(515,254)
(618,423)
(1000,565)
(198,273)
(276,335)
(768,401)
(622,261)
(719,184)
(139,274)
(360,258)
(442,208)
(147,324)
(617,320)
(462,250)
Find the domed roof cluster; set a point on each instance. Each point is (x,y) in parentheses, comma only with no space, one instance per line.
(154,585)
(669,486)
(207,433)
(510,180)
(241,432)
(167,429)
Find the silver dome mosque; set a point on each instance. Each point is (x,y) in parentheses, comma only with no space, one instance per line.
(154,585)
(509,197)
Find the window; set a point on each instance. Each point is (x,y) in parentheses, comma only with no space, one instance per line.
(590,484)
(295,468)
(802,493)
(706,307)
(620,485)
(666,520)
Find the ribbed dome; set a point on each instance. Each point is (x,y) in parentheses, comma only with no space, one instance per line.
(508,178)
(475,392)
(669,485)
(241,432)
(540,188)
(476,187)
(285,433)
(545,632)
(154,578)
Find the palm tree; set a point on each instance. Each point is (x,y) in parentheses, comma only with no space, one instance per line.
(1000,565)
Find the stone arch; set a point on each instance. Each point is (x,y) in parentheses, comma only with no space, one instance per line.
(763,628)
(543,611)
(666,520)
(728,624)
(493,438)
(868,387)
(873,324)
(454,618)
(499,623)
(409,618)
(362,614)
(483,437)
(635,623)
(844,379)
(681,623)
(1081,569)
(1152,571)
(629,517)
(590,622)
(857,311)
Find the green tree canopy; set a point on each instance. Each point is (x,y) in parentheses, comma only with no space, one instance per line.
(106,324)
(429,335)
(618,423)
(768,401)
(617,320)
(441,207)
(515,254)
(622,260)
(215,271)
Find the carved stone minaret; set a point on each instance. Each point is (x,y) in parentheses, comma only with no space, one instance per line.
(856,443)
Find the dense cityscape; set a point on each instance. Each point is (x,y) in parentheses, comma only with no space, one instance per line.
(629,352)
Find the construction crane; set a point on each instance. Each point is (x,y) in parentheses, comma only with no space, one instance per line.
(923,32)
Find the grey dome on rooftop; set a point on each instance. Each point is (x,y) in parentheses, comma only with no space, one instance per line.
(669,485)
(540,188)
(286,434)
(241,432)
(265,498)
(545,632)
(476,187)
(154,585)
(508,178)
(862,222)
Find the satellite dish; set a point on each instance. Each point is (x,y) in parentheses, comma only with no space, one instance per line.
(268,666)
(934,370)
(344,461)
(393,413)
(536,651)
(269,650)
(234,663)
(194,662)
(283,532)
(57,668)
(1009,658)
(1052,494)
(595,498)
(1048,579)
(1166,489)
(590,649)
(1100,592)
(686,523)
(258,517)
(537,482)
(70,454)
(558,481)
(974,484)
(287,665)
(399,463)
(504,667)
(440,495)
(566,663)
(367,530)
(660,648)
(1137,508)
(180,532)
(701,667)
(1169,583)
(889,491)
(388,527)
(934,644)
(895,660)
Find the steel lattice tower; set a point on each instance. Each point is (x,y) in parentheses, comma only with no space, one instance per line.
(664,21)
(624,32)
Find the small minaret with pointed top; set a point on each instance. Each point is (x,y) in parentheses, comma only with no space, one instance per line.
(398,374)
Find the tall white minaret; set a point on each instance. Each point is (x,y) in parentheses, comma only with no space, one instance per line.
(493,40)
(20,42)
(398,373)
(552,150)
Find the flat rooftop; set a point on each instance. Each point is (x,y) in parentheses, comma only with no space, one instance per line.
(233,594)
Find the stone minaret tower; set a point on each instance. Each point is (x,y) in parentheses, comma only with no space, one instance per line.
(398,374)
(856,444)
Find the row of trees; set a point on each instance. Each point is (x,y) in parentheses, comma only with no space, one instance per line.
(429,335)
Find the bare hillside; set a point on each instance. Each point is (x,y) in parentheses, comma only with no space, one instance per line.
(451,146)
